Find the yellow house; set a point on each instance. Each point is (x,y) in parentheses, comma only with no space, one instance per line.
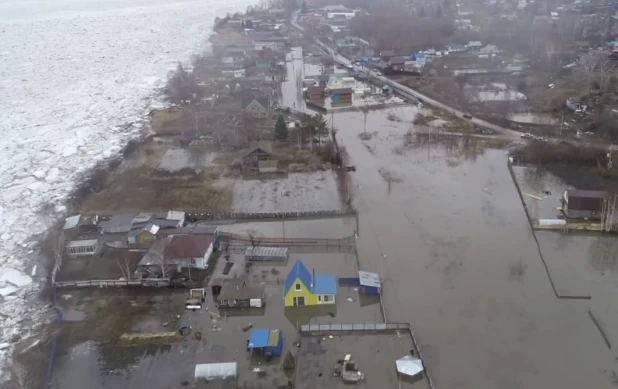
(305,288)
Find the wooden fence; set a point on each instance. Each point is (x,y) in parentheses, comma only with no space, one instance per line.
(238,244)
(270,215)
(332,327)
(155,282)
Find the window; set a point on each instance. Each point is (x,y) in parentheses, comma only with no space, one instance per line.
(329,298)
(298,287)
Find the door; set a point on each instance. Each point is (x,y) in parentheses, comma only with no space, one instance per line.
(319,299)
(299,301)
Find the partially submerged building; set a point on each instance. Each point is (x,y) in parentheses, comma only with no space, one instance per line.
(179,252)
(266,254)
(303,287)
(238,294)
(267,341)
(125,223)
(82,247)
(583,204)
(216,375)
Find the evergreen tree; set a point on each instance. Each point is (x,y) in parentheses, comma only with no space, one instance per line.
(439,12)
(281,130)
(303,7)
(421,12)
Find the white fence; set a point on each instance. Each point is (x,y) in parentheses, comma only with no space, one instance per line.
(355,327)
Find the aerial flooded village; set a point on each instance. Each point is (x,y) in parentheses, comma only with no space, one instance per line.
(395,195)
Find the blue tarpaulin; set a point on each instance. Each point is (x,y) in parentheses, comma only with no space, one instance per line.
(269,341)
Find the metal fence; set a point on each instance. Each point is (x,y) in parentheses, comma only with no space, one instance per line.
(269,215)
(355,327)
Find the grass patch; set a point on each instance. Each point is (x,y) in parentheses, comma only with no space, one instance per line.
(143,189)
(562,154)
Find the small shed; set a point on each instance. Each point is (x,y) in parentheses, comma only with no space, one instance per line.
(216,375)
(253,158)
(238,294)
(369,282)
(266,254)
(82,247)
(267,341)
(145,234)
(583,204)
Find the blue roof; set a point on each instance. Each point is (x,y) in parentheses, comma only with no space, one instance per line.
(259,338)
(325,284)
(298,271)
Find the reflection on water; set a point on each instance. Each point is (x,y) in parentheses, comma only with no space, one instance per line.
(602,254)
(455,149)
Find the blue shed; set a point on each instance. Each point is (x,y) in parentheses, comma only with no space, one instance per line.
(270,342)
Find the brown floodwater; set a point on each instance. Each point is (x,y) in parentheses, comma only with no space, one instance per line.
(459,263)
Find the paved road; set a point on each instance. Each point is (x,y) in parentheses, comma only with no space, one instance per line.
(408,92)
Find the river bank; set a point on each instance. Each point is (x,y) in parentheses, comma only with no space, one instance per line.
(69,106)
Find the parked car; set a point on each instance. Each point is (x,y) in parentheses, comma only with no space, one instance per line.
(378,73)
(527,135)
(467,116)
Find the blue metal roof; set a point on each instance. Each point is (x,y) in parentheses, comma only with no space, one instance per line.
(325,284)
(298,271)
(259,338)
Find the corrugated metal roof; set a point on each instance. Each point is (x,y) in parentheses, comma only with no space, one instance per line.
(261,251)
(211,371)
(82,243)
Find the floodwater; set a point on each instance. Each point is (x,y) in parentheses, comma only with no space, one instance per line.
(291,89)
(580,264)
(449,233)
(494,92)
(532,118)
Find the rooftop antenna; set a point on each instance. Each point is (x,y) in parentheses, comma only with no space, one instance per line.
(312,277)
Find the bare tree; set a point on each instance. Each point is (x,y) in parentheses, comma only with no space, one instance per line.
(27,366)
(181,86)
(606,69)
(124,264)
(54,239)
(550,52)
(587,66)
(254,236)
(22,376)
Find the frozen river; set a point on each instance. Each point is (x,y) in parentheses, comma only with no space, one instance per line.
(73,74)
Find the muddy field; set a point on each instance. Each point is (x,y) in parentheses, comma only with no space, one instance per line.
(298,192)
(461,266)
(160,176)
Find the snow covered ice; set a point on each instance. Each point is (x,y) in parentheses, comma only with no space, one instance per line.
(73,74)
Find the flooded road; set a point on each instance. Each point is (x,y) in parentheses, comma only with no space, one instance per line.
(445,226)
